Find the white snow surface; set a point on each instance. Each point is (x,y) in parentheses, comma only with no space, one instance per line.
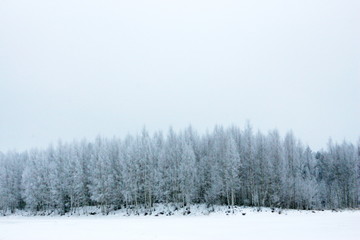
(199,224)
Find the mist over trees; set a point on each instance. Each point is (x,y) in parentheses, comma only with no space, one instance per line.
(228,166)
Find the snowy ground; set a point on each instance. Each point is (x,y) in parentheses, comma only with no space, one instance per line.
(254,225)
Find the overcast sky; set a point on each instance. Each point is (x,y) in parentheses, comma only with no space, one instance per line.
(73,69)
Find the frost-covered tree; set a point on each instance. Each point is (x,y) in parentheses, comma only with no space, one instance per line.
(262,171)
(129,188)
(187,173)
(77,188)
(247,166)
(232,170)
(101,176)
(11,168)
(308,187)
(36,182)
(277,177)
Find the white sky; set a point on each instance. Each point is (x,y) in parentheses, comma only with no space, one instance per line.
(73,69)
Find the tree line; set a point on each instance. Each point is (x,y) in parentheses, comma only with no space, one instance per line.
(228,166)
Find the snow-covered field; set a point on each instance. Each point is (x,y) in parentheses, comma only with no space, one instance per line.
(254,225)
